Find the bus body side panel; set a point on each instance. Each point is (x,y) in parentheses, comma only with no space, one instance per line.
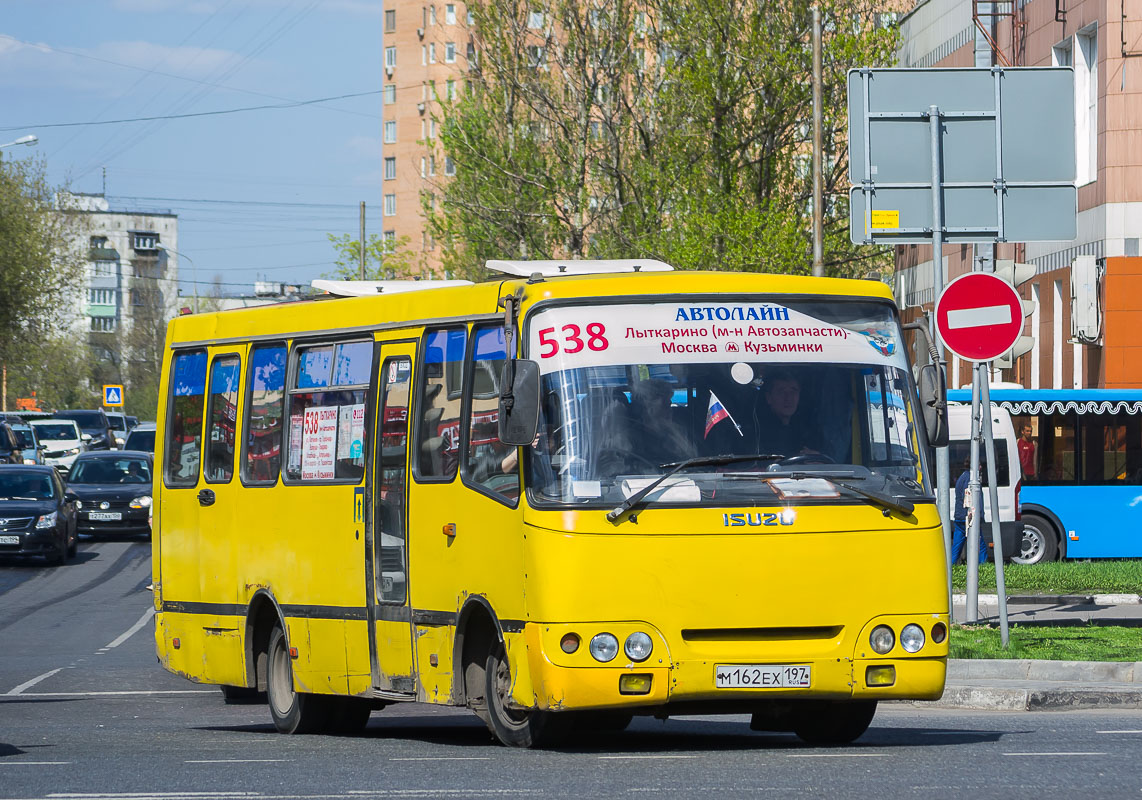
(1098,521)
(809,593)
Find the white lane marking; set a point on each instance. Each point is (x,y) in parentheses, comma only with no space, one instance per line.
(974,317)
(1054,754)
(33,763)
(443,758)
(27,684)
(1118,731)
(143,620)
(158,794)
(838,755)
(633,758)
(116,694)
(238,761)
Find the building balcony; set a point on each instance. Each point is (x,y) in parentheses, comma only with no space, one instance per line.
(103,254)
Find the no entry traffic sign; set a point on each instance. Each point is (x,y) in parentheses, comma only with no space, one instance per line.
(979,316)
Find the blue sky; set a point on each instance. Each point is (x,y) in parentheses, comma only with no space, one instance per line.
(256,192)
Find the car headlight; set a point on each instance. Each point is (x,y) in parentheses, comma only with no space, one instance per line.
(638,646)
(29,461)
(144,501)
(73,451)
(912,638)
(78,504)
(47,520)
(604,647)
(882,639)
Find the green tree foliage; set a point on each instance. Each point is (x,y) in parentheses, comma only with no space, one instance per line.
(383,261)
(607,128)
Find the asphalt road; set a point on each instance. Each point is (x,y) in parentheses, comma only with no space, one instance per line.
(87,714)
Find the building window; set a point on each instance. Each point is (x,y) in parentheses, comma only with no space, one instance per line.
(104,269)
(535,20)
(449,166)
(101,297)
(390,168)
(390,21)
(390,95)
(424,55)
(390,241)
(450,14)
(432,165)
(390,57)
(535,56)
(98,242)
(103,324)
(432,15)
(432,53)
(1086,105)
(390,131)
(450,89)
(471,54)
(144,240)
(432,129)
(390,205)
(471,19)
(423,167)
(450,52)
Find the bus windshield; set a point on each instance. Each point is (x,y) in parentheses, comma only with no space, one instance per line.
(794,386)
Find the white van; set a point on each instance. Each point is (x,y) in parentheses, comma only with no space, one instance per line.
(1008,474)
(62,441)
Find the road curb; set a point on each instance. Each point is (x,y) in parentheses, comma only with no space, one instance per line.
(1034,685)
(998,698)
(1054,599)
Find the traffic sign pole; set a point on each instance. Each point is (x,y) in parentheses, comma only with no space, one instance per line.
(996,538)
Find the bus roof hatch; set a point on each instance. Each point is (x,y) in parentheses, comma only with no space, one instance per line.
(555,269)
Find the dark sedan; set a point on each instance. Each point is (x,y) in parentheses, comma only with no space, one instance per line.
(37,514)
(114,492)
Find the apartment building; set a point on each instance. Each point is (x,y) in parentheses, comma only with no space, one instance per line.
(427,50)
(1088,309)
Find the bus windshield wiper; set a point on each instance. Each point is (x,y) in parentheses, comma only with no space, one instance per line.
(623,512)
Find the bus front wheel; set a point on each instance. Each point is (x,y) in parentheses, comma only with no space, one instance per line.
(833,723)
(293,712)
(512,726)
(1040,541)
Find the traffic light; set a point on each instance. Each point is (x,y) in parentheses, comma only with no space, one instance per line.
(1016,274)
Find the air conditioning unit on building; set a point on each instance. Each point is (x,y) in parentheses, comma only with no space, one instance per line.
(420,107)
(420,33)
(388,71)
(1086,310)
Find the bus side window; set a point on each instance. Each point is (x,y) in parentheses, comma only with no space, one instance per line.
(223,407)
(489,464)
(438,434)
(183,448)
(264,413)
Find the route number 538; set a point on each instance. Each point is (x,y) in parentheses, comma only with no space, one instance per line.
(574,339)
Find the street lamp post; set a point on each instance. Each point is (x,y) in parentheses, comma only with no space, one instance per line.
(193,267)
(29,140)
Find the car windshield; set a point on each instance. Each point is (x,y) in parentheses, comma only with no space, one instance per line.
(117,423)
(25,486)
(141,440)
(86,419)
(56,431)
(24,437)
(110,470)
(629,390)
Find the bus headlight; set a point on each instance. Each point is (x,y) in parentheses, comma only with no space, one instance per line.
(882,639)
(912,638)
(604,647)
(638,646)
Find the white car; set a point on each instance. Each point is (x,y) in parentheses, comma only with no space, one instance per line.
(61,439)
(119,427)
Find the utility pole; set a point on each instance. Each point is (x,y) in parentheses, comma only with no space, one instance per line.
(362,241)
(818,193)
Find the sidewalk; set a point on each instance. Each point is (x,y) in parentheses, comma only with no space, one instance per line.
(1029,685)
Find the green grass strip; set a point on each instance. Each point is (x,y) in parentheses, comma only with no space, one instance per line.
(1091,643)
(1058,577)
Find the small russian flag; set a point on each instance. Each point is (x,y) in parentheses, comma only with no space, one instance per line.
(716,413)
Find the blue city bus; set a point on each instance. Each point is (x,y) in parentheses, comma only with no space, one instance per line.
(1080,453)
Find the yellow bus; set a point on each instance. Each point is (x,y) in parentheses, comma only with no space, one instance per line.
(577,493)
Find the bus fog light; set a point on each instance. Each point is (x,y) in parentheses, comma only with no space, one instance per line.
(912,638)
(880,675)
(638,646)
(569,643)
(634,684)
(882,639)
(604,647)
(939,632)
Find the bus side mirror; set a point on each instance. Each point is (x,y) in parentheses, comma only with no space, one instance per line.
(934,404)
(519,402)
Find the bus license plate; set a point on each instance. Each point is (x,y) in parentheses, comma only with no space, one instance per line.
(762,676)
(105,516)
(9,539)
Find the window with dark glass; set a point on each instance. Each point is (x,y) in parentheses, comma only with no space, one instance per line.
(390,480)
(220,441)
(490,464)
(327,412)
(1051,449)
(439,431)
(264,414)
(183,449)
(1111,449)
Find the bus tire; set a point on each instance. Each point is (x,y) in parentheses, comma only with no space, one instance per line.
(1040,541)
(292,712)
(833,723)
(513,727)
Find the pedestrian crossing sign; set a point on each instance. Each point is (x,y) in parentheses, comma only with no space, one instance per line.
(113,395)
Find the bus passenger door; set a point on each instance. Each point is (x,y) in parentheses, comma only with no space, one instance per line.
(390,628)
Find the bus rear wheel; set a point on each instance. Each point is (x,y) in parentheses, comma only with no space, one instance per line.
(1040,541)
(833,723)
(292,711)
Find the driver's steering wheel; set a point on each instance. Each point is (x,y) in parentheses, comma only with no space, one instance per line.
(809,458)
